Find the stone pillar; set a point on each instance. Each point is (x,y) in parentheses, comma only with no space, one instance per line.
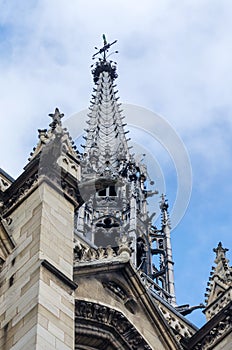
(37,291)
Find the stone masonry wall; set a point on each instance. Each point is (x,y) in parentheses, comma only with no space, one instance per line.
(36,306)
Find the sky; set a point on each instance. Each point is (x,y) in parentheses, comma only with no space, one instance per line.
(174,60)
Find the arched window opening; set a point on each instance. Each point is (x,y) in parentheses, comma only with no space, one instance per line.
(108,192)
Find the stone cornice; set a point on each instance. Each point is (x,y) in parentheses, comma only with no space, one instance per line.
(59,274)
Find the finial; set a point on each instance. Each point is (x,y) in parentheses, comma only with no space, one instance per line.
(56,118)
(102,65)
(164,211)
(163,203)
(105,48)
(220,252)
(104,39)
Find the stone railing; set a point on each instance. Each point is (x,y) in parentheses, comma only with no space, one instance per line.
(179,327)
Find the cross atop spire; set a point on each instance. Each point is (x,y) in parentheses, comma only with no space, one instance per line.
(102,65)
(105,48)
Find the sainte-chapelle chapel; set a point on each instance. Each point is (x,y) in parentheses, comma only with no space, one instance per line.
(82,265)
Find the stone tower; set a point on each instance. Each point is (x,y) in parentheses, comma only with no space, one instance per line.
(82,266)
(119,211)
(37,218)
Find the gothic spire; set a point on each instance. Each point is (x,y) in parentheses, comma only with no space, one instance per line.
(120,210)
(163,272)
(106,144)
(168,260)
(221,257)
(56,131)
(220,279)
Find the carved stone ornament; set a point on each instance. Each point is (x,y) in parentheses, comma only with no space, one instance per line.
(180,328)
(215,334)
(21,191)
(83,254)
(56,118)
(102,316)
(121,294)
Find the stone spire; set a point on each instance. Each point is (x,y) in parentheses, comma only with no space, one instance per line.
(220,283)
(164,273)
(168,260)
(120,210)
(106,144)
(119,213)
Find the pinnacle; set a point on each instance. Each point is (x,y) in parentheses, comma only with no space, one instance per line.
(220,253)
(164,203)
(220,275)
(105,136)
(56,130)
